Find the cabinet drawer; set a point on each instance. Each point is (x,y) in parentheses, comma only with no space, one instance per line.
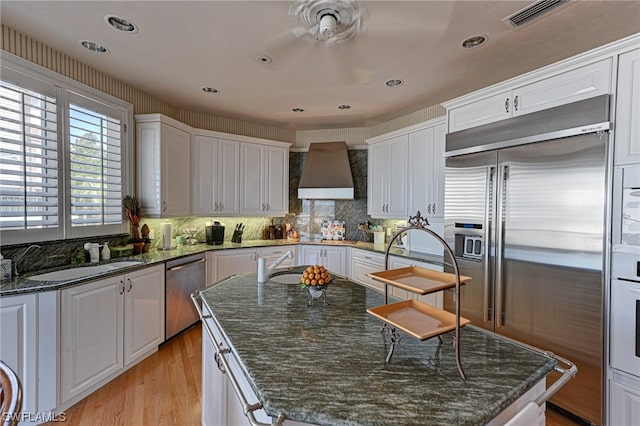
(368,257)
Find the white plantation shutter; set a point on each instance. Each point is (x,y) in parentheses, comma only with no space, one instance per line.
(28,159)
(95,154)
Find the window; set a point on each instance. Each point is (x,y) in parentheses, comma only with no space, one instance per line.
(64,163)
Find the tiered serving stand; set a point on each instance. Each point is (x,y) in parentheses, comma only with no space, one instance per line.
(418,319)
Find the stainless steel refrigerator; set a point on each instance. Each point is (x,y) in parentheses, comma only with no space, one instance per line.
(525,214)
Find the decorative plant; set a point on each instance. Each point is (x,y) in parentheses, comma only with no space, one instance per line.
(131,208)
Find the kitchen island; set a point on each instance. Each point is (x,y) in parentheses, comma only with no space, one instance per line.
(325,364)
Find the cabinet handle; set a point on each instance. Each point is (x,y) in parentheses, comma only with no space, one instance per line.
(434,208)
(277,252)
(429,208)
(221,206)
(506,105)
(215,207)
(515,103)
(263,207)
(368,257)
(164,206)
(130,285)
(268,207)
(121,287)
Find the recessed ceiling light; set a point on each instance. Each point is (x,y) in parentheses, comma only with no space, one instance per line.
(121,24)
(393,83)
(297,109)
(94,47)
(344,106)
(474,41)
(264,59)
(209,90)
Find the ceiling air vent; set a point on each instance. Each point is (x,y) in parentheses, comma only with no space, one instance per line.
(533,12)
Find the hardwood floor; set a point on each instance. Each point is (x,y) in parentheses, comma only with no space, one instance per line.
(164,389)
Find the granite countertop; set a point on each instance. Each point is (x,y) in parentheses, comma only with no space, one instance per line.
(325,364)
(22,284)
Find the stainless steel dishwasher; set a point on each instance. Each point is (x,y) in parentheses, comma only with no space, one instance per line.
(183,277)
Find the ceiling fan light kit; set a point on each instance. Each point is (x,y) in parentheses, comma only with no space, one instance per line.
(333,21)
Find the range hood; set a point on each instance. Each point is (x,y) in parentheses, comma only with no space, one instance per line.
(327,173)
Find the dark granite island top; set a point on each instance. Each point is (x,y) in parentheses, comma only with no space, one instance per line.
(325,364)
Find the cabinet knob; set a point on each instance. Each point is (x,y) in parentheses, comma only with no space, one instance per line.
(506,105)
(515,103)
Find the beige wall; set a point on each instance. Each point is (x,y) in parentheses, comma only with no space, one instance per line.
(143,103)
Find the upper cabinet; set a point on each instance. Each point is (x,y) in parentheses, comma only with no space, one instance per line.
(524,97)
(406,172)
(387,177)
(264,180)
(215,175)
(627,130)
(183,171)
(163,151)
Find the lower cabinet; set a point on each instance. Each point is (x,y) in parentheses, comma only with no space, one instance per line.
(364,262)
(624,400)
(28,331)
(231,262)
(107,326)
(331,257)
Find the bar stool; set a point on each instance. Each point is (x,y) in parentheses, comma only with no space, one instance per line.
(10,396)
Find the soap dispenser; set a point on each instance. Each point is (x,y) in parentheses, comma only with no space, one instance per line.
(106,253)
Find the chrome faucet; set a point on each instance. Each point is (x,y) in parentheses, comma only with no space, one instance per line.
(15,261)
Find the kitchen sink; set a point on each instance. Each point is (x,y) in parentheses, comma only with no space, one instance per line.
(82,271)
(286,278)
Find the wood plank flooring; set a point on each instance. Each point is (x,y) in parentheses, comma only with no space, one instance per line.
(164,389)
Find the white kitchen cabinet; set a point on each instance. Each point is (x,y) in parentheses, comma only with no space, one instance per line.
(215,163)
(523,96)
(627,124)
(387,178)
(364,262)
(28,332)
(264,179)
(426,171)
(163,154)
(624,402)
(144,308)
(333,258)
(235,261)
(104,323)
(271,254)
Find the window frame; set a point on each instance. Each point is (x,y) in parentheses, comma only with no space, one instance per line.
(14,68)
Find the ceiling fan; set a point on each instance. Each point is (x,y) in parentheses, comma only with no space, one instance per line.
(332,21)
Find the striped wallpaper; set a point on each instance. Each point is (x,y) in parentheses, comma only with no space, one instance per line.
(143,103)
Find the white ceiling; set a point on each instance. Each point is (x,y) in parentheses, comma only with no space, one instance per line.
(182,46)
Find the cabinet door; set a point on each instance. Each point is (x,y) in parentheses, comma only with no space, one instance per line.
(271,254)
(19,348)
(143,312)
(397,160)
(175,171)
(438,169)
(149,162)
(204,150)
(627,135)
(376,180)
(310,255)
(276,181)
(238,261)
(215,384)
(571,86)
(227,178)
(624,408)
(487,110)
(251,173)
(420,172)
(91,334)
(335,260)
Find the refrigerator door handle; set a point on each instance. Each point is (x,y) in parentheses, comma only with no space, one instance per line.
(487,303)
(503,173)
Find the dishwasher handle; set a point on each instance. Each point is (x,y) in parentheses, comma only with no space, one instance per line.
(185,265)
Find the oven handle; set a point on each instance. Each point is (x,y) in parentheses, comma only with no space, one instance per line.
(185,265)
(220,352)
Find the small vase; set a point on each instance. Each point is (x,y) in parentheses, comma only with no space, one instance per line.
(315,292)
